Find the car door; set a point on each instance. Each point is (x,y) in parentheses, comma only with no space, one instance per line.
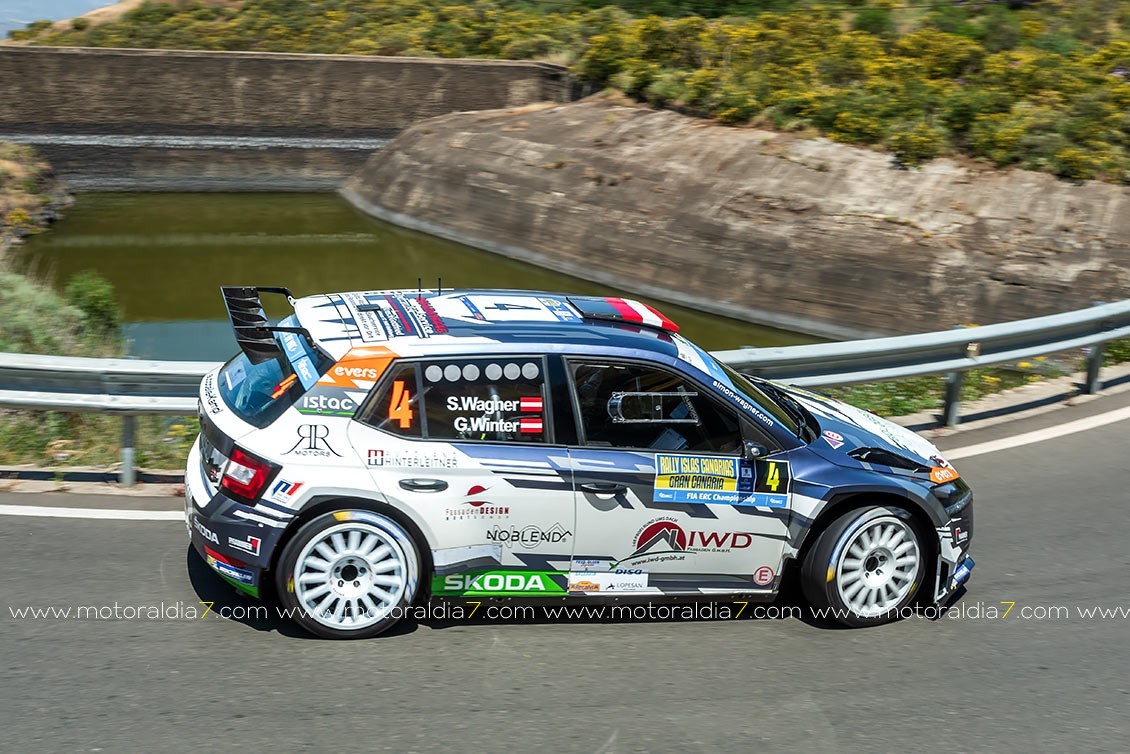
(666,500)
(465,444)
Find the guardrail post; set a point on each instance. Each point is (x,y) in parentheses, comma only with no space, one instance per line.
(129,473)
(952,407)
(1094,367)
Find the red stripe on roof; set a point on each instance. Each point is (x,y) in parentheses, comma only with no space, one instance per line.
(666,323)
(628,313)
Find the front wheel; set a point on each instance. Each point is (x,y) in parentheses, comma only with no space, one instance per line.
(348,574)
(865,567)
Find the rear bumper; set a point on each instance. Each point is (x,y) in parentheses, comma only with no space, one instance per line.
(236,540)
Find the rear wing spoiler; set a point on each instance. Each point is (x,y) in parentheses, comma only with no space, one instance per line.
(253,332)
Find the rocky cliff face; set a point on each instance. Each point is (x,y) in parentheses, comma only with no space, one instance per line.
(799,233)
(31,197)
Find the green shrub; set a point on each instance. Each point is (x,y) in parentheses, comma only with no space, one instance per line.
(856,127)
(94,296)
(537,46)
(877,21)
(80,24)
(736,103)
(915,145)
(1076,164)
(34,319)
(603,59)
(665,88)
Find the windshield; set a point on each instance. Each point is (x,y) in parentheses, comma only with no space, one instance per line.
(259,393)
(762,400)
(789,416)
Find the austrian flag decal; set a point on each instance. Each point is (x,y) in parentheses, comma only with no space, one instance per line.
(530,405)
(530,425)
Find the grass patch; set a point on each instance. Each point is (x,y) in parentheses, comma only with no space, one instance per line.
(52,438)
(1117,352)
(916,394)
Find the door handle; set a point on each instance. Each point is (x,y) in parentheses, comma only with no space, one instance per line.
(604,488)
(423,485)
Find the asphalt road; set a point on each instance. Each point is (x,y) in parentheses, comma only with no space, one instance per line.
(1052,524)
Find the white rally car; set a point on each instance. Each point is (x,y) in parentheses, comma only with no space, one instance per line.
(375,448)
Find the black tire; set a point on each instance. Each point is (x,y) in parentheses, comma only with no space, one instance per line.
(833,578)
(351,575)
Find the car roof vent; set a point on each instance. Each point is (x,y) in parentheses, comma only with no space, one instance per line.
(622,310)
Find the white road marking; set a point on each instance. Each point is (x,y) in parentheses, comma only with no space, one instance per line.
(121,515)
(1051,433)
(1039,435)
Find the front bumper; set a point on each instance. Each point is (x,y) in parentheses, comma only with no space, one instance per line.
(955,566)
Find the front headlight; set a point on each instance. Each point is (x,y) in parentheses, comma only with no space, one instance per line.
(953,495)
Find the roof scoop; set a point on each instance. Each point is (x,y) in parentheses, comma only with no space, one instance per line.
(622,310)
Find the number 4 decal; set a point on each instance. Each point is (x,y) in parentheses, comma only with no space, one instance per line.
(400,408)
(773,478)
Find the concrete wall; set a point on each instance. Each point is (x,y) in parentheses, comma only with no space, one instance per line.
(59,92)
(803,234)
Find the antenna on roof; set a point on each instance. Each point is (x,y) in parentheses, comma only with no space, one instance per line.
(439,286)
(419,287)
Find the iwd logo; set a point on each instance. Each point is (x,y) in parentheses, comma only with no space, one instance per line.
(663,539)
(660,536)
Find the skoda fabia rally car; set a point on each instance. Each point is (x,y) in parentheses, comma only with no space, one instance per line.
(375,448)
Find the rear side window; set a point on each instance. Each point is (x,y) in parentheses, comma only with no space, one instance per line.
(396,408)
(259,393)
(486,400)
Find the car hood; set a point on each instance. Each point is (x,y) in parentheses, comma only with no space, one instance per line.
(846,428)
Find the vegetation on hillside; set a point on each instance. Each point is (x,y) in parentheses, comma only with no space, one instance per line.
(33,317)
(83,320)
(1044,85)
(25,192)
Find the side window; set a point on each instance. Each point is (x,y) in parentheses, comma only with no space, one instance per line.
(396,409)
(638,406)
(493,400)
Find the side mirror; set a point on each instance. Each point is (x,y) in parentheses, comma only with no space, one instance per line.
(754,450)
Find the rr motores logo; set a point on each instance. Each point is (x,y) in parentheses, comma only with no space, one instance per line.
(312,441)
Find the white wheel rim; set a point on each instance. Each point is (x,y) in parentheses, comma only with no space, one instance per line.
(350,576)
(878,566)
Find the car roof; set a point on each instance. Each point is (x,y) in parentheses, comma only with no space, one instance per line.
(426,322)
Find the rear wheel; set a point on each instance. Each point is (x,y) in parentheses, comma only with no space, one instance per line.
(348,574)
(865,567)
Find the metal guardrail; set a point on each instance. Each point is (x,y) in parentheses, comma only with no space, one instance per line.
(131,388)
(950,352)
(117,386)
